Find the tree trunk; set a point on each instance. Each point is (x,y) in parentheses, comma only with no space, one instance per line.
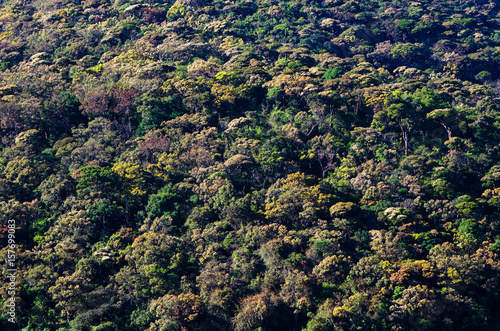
(404,130)
(448,130)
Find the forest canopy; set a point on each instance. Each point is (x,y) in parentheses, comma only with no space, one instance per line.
(250,165)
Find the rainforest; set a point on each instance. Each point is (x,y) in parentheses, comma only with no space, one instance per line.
(244,165)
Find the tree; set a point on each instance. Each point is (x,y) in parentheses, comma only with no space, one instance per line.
(324,149)
(418,307)
(445,117)
(179,312)
(60,114)
(96,144)
(294,202)
(253,310)
(106,213)
(151,273)
(95,182)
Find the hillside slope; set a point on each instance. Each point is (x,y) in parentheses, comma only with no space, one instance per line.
(237,165)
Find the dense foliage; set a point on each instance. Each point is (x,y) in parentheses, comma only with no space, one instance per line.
(236,165)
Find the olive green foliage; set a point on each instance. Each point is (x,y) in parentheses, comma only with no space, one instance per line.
(251,165)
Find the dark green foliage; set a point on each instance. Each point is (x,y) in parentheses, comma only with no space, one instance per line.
(211,165)
(95,181)
(60,115)
(154,110)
